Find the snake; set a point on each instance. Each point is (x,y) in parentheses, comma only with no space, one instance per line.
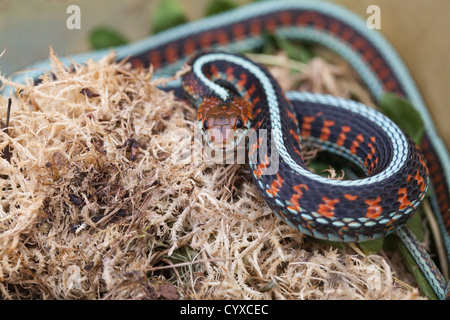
(238,99)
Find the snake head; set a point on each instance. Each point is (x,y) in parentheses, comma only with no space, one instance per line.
(224,123)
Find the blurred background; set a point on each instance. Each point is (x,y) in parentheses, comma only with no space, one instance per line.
(418,29)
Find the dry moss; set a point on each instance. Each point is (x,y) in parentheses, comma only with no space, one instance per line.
(93,205)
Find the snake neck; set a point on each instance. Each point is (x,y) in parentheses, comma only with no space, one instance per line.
(219,79)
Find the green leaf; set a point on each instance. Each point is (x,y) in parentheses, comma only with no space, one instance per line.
(167,14)
(403,113)
(270,43)
(319,167)
(324,159)
(371,246)
(105,37)
(299,52)
(217,6)
(415,225)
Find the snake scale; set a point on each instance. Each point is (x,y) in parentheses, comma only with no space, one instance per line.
(233,92)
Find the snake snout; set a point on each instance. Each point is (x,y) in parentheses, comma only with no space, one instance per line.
(223,124)
(222,137)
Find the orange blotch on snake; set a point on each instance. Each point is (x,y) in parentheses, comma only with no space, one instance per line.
(374,209)
(326,208)
(275,186)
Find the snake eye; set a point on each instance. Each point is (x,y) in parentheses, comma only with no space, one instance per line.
(205,125)
(239,123)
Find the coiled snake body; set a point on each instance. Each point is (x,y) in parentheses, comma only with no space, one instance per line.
(354,210)
(349,210)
